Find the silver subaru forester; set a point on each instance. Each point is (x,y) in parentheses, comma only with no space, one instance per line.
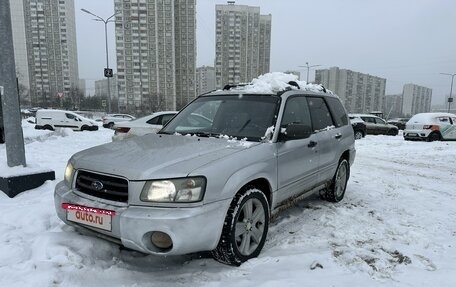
(214,176)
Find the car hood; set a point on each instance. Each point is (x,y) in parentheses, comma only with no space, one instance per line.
(156,156)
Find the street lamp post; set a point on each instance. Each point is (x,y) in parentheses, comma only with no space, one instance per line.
(450,99)
(107,54)
(308,68)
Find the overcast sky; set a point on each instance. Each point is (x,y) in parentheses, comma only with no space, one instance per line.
(404,41)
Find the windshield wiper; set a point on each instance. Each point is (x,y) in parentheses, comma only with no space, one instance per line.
(204,134)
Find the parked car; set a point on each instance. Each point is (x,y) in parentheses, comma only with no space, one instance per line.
(139,127)
(399,122)
(52,119)
(376,125)
(431,127)
(110,119)
(359,128)
(212,185)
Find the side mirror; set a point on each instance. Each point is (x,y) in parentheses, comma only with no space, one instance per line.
(295,132)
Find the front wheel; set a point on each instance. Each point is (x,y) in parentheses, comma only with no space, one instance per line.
(245,228)
(336,190)
(434,136)
(393,132)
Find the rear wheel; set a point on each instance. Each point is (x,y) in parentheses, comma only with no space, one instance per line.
(48,127)
(434,136)
(336,191)
(245,228)
(110,125)
(84,128)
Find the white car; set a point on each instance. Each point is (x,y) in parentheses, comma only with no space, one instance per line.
(431,127)
(110,119)
(139,127)
(52,119)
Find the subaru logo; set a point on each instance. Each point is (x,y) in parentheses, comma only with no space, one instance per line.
(97,185)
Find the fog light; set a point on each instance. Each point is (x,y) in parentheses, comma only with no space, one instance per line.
(161,240)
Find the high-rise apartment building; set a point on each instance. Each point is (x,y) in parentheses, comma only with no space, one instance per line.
(205,79)
(360,93)
(416,99)
(243,43)
(393,106)
(101,87)
(156,54)
(45,48)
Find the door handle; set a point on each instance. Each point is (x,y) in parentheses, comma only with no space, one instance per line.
(312,144)
(338,136)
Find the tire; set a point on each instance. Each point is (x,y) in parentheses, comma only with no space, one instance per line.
(393,132)
(434,136)
(110,125)
(358,135)
(336,190)
(48,127)
(84,128)
(248,218)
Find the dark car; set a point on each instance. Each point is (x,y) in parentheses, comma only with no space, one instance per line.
(359,127)
(399,122)
(376,125)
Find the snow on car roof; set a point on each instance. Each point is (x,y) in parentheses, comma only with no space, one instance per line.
(426,116)
(272,83)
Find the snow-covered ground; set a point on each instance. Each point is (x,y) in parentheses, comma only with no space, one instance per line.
(395,227)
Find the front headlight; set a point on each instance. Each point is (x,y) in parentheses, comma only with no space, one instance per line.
(68,175)
(189,189)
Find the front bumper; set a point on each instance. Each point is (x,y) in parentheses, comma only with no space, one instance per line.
(192,229)
(416,134)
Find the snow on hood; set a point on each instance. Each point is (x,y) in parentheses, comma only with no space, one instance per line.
(154,156)
(272,83)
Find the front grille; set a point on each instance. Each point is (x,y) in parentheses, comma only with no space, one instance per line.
(102,186)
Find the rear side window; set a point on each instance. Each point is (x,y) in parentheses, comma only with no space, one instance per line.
(319,112)
(154,120)
(338,111)
(166,118)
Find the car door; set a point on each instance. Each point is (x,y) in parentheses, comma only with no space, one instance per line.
(297,159)
(330,134)
(71,121)
(382,126)
(371,127)
(447,127)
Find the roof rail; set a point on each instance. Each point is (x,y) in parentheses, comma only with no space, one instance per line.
(294,84)
(323,88)
(229,86)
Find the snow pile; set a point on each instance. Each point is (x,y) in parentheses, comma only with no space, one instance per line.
(272,83)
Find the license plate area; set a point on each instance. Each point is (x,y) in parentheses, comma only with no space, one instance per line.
(94,217)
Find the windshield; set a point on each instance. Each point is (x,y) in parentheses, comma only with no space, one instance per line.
(238,116)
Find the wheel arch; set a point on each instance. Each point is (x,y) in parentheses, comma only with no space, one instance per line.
(261,184)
